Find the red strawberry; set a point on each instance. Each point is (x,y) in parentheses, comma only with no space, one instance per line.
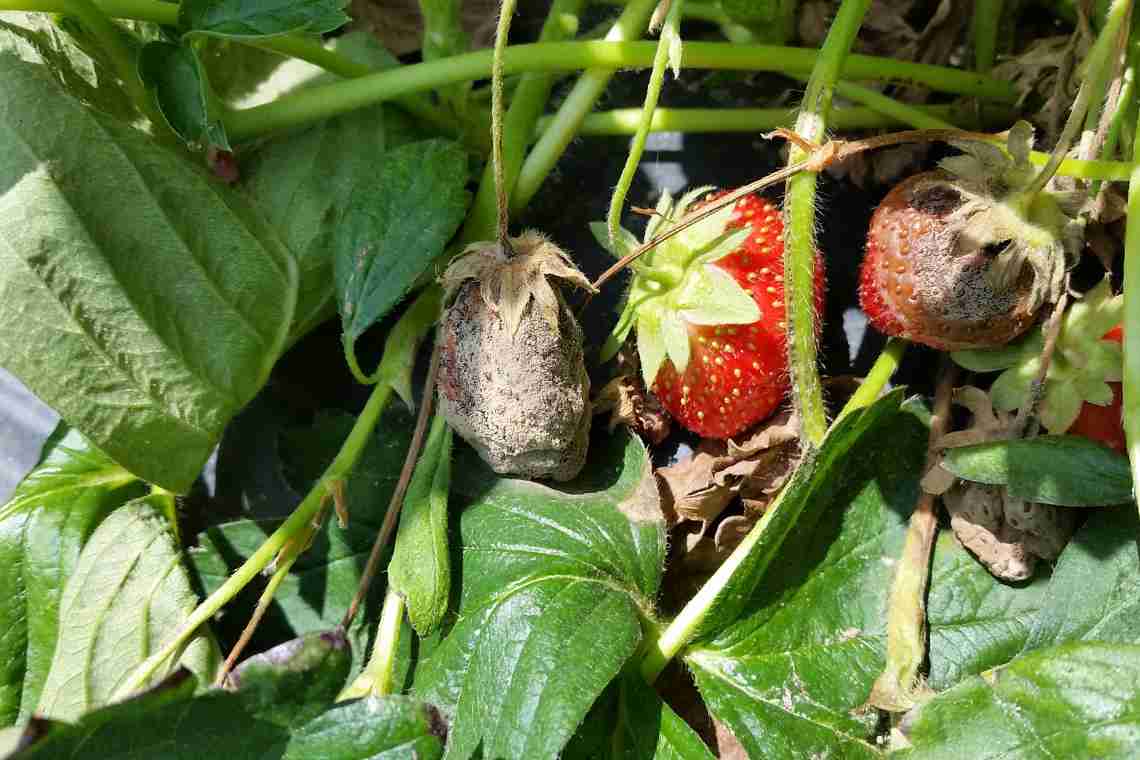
(1104,423)
(708,305)
(960,257)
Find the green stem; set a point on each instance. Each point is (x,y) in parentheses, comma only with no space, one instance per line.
(577,104)
(502,192)
(799,230)
(293,526)
(1112,171)
(625,121)
(377,676)
(1131,412)
(527,104)
(315,103)
(877,378)
(984,25)
(1097,62)
(113,43)
(670,36)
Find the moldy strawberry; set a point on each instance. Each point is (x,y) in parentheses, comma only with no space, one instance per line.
(965,256)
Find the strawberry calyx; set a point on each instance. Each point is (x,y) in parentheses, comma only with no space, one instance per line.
(1085,360)
(675,287)
(1000,219)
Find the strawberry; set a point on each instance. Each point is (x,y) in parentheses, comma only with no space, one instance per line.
(708,305)
(1104,423)
(965,256)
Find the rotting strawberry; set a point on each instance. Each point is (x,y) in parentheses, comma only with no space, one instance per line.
(1104,423)
(965,256)
(512,379)
(708,305)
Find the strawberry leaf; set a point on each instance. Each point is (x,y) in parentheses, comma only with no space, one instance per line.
(556,588)
(145,303)
(261,18)
(126,596)
(177,81)
(43,527)
(1068,471)
(1074,700)
(282,708)
(386,240)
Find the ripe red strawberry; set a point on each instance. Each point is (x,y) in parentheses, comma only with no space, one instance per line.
(1104,423)
(708,305)
(961,257)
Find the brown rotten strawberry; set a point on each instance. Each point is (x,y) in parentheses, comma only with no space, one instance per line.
(512,381)
(965,257)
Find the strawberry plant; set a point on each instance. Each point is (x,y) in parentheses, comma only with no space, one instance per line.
(307,329)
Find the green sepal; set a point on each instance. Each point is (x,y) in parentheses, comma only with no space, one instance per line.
(676,338)
(627,241)
(650,347)
(710,296)
(1083,362)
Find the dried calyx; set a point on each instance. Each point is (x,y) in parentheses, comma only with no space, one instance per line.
(512,377)
(1007,534)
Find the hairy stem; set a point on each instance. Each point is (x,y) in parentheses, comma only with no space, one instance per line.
(897,687)
(670,36)
(321,102)
(578,102)
(502,192)
(799,224)
(984,30)
(877,378)
(526,107)
(1131,410)
(298,522)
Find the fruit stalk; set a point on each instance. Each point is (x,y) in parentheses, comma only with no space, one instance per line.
(799,225)
(502,191)
(670,35)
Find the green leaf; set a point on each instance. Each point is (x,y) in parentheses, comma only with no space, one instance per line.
(1094,593)
(177,80)
(261,18)
(127,595)
(420,570)
(305,182)
(43,527)
(629,721)
(975,621)
(314,596)
(282,709)
(395,228)
(556,588)
(1075,700)
(821,474)
(38,38)
(1068,471)
(139,298)
(789,676)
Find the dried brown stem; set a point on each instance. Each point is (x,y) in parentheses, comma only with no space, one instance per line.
(1051,331)
(897,688)
(397,500)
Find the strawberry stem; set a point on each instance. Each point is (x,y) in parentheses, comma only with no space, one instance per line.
(527,104)
(799,227)
(579,102)
(670,36)
(1110,41)
(877,378)
(898,686)
(1131,406)
(502,192)
(376,678)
